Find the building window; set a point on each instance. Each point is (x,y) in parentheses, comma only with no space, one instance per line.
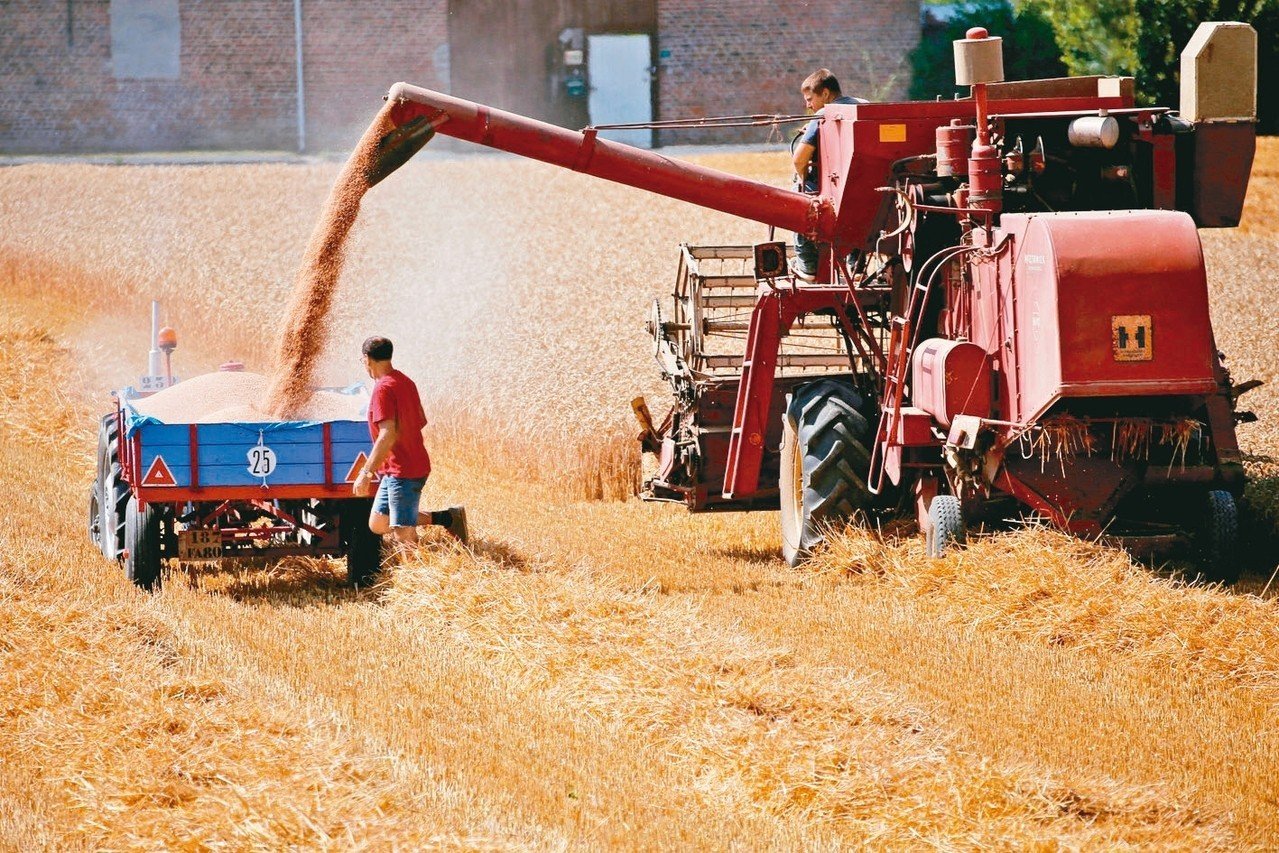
(146,40)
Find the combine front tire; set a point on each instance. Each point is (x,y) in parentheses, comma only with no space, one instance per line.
(1219,538)
(945,525)
(143,534)
(824,464)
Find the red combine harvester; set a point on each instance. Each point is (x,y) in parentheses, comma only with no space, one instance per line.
(1011,311)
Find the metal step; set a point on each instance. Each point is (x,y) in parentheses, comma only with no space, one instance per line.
(833,360)
(733,300)
(720,282)
(712,326)
(720,252)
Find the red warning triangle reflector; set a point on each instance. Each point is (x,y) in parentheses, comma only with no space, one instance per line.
(356,467)
(159,474)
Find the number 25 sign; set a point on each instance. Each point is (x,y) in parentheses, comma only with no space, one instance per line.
(261,461)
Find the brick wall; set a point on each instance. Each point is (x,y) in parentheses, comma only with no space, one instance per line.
(355,51)
(745,56)
(237,87)
(237,83)
(58,92)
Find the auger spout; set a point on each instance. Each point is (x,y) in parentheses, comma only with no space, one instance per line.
(416,113)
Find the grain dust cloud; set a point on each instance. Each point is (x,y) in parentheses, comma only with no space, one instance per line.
(305,330)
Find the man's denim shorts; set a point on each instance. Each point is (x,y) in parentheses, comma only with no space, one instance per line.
(399,498)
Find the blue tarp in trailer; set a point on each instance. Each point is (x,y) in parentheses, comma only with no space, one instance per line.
(223,449)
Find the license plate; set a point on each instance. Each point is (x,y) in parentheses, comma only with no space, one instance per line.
(200,545)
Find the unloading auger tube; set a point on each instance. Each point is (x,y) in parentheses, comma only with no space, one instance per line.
(417,114)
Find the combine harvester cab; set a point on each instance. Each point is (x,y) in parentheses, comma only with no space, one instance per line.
(176,488)
(1010,313)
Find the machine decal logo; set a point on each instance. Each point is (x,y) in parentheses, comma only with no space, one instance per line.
(1132,337)
(892,133)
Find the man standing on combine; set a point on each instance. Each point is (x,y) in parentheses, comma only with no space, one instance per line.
(397,425)
(818,89)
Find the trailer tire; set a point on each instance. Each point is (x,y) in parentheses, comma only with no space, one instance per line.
(142,557)
(363,546)
(95,515)
(113,491)
(95,491)
(945,525)
(1219,538)
(824,464)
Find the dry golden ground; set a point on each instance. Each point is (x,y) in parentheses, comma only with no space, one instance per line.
(594,674)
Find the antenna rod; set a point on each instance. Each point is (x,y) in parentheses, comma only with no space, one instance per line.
(153,362)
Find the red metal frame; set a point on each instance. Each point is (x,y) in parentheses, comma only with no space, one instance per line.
(775,312)
(153,494)
(194,438)
(231,533)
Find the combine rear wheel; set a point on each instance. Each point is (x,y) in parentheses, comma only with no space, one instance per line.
(824,464)
(1219,538)
(143,535)
(945,525)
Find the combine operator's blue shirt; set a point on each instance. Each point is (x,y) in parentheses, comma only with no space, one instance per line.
(812,177)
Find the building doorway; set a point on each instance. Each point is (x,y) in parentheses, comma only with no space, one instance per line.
(621,81)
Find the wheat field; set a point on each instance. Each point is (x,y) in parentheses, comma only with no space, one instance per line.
(593,673)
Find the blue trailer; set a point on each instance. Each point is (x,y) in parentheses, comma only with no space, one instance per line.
(204,492)
(199,492)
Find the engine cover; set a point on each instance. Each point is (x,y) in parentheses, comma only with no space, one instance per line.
(1095,304)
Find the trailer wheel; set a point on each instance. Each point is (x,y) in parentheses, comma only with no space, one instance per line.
(95,515)
(945,525)
(113,491)
(1219,538)
(363,546)
(824,464)
(95,491)
(143,536)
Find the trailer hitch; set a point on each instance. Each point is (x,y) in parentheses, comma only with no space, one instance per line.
(399,145)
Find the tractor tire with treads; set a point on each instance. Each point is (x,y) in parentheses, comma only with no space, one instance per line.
(95,490)
(363,546)
(142,556)
(825,460)
(113,491)
(945,525)
(1219,538)
(95,515)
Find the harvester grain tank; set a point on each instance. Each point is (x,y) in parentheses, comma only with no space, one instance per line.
(1010,315)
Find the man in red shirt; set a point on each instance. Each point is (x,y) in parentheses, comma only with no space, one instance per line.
(397,425)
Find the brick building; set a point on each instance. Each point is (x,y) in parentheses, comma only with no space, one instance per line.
(131,75)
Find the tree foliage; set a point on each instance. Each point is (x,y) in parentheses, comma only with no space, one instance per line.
(1144,39)
(1096,36)
(1167,25)
(1030,47)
